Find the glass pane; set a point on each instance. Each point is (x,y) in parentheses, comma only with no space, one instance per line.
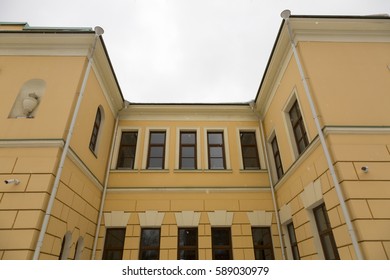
(328,248)
(216,152)
(150,255)
(251,163)
(261,236)
(188,151)
(220,237)
(221,254)
(129,138)
(216,163)
(187,255)
(157,137)
(150,237)
(298,132)
(188,237)
(248,138)
(156,152)
(188,138)
(215,138)
(113,255)
(115,238)
(156,163)
(188,163)
(291,233)
(320,219)
(126,163)
(249,152)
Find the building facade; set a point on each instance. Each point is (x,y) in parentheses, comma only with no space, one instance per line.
(299,173)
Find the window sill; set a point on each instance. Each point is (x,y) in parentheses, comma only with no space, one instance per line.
(253,170)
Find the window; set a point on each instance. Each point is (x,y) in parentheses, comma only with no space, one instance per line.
(150,244)
(298,127)
(277,159)
(126,157)
(325,232)
(262,243)
(187,150)
(221,244)
(65,246)
(250,156)
(95,131)
(216,150)
(187,244)
(114,243)
(293,241)
(156,154)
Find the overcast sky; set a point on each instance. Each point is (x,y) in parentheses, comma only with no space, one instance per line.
(184,50)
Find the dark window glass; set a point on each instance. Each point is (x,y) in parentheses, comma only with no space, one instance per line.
(250,156)
(293,241)
(95,131)
(298,127)
(156,154)
(221,244)
(325,232)
(277,159)
(113,244)
(126,156)
(150,244)
(262,243)
(187,244)
(187,150)
(216,150)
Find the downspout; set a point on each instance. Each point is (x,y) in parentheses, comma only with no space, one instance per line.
(106,181)
(98,32)
(286,15)
(252,105)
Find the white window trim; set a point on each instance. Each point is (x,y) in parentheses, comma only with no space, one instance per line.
(259,145)
(117,143)
(198,147)
(286,116)
(146,147)
(226,147)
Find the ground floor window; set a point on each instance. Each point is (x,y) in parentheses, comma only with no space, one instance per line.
(187,244)
(114,243)
(150,244)
(262,243)
(221,243)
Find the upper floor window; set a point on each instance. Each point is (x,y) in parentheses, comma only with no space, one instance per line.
(298,127)
(128,144)
(96,130)
(221,243)
(262,243)
(187,244)
(114,243)
(250,156)
(150,244)
(277,158)
(325,232)
(156,153)
(293,241)
(188,153)
(216,150)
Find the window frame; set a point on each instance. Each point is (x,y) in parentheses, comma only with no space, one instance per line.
(222,145)
(107,250)
(121,146)
(228,247)
(151,247)
(150,146)
(262,247)
(193,247)
(326,232)
(293,241)
(255,146)
(181,145)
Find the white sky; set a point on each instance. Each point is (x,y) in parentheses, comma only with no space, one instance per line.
(184,50)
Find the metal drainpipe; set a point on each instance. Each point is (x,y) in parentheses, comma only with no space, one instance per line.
(106,183)
(285,15)
(251,104)
(98,32)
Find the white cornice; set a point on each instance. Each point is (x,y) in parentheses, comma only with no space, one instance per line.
(186,189)
(31,143)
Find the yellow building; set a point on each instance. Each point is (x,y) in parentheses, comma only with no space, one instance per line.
(299,173)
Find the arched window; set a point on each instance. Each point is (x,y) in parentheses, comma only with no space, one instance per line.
(66,243)
(79,248)
(28,99)
(93,143)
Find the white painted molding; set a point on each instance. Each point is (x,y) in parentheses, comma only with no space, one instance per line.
(116,219)
(260,218)
(187,219)
(285,213)
(220,218)
(151,219)
(312,194)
